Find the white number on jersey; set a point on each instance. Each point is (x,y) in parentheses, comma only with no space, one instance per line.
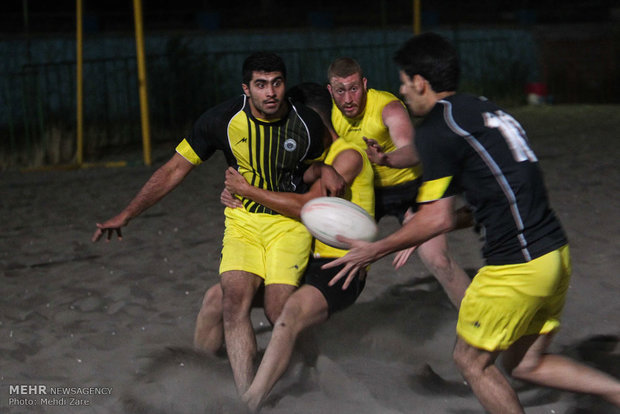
(513,133)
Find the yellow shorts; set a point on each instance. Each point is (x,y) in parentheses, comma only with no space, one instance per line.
(273,247)
(504,303)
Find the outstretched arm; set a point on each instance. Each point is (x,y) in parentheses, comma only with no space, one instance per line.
(432,219)
(164,180)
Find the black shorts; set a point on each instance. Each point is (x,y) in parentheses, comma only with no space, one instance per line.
(337,299)
(395,200)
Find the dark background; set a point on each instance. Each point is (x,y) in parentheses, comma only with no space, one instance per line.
(513,52)
(44,16)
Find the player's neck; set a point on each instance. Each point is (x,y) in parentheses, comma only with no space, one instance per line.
(261,116)
(443,95)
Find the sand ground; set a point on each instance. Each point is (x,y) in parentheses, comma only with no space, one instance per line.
(116,319)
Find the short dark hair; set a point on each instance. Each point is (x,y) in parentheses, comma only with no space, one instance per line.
(343,67)
(262,62)
(314,96)
(433,57)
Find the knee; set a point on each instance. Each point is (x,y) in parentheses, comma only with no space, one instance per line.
(289,319)
(235,304)
(212,301)
(272,315)
(437,260)
(273,311)
(467,360)
(521,371)
(276,298)
(460,358)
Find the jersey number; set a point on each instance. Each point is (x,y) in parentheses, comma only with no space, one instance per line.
(513,133)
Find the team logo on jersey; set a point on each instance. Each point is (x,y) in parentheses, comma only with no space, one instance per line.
(290,145)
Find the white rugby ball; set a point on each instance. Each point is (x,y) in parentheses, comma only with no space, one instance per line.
(328,217)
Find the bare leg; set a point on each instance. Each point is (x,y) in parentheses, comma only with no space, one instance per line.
(486,381)
(308,346)
(238,291)
(305,307)
(436,257)
(209,331)
(275,297)
(526,360)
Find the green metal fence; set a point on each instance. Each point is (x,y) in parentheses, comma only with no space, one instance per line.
(37,114)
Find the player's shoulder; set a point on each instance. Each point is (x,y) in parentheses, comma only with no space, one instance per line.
(340,147)
(378,93)
(464,103)
(438,122)
(465,110)
(305,113)
(384,103)
(223,111)
(299,107)
(452,118)
(230,106)
(382,96)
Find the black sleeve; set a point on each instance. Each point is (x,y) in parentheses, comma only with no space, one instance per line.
(209,131)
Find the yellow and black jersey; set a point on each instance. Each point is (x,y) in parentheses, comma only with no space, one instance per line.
(471,145)
(370,124)
(269,154)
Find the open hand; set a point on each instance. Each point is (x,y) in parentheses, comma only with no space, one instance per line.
(110,227)
(402,256)
(361,254)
